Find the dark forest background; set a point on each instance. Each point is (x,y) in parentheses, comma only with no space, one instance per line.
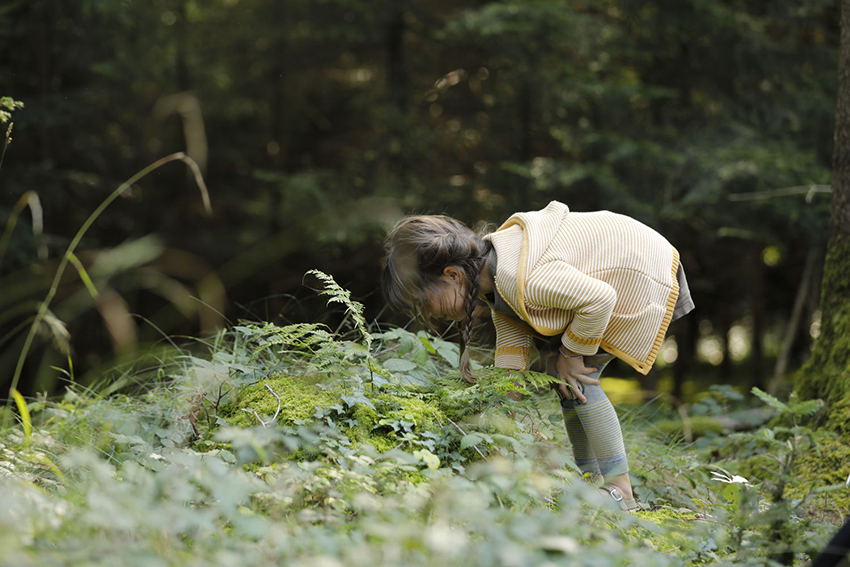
(318,123)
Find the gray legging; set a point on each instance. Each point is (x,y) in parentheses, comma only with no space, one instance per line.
(593,427)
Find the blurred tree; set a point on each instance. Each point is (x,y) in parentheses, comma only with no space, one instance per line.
(827,374)
(314,112)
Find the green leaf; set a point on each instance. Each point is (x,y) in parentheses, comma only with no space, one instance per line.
(399,365)
(770,400)
(473,438)
(25,416)
(431,460)
(808,407)
(357,398)
(428,345)
(731,492)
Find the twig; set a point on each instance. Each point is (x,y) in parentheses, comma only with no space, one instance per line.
(464,433)
(274,417)
(809,190)
(263,423)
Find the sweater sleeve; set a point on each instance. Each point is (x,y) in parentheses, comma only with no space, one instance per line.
(591,301)
(512,344)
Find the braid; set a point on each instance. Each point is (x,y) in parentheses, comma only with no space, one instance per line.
(472,287)
(418,250)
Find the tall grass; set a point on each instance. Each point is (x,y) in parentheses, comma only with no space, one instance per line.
(70,257)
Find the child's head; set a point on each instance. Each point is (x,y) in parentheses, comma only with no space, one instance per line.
(432,269)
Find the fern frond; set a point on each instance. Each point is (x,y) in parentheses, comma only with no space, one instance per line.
(299,336)
(337,294)
(771,401)
(808,407)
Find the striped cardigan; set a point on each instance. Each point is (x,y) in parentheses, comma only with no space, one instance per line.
(600,279)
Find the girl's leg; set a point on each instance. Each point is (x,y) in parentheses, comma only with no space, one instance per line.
(583,454)
(602,430)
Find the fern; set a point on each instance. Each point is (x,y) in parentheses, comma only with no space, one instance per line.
(771,401)
(522,381)
(300,336)
(337,294)
(795,408)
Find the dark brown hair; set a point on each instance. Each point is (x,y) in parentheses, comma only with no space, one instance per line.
(418,249)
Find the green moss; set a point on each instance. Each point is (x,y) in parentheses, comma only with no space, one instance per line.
(700,426)
(382,443)
(839,417)
(413,477)
(366,419)
(674,531)
(298,400)
(496,422)
(423,414)
(364,431)
(823,466)
(827,374)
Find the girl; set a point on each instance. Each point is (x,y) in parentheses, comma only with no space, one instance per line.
(598,285)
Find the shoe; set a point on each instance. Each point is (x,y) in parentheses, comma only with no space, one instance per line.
(630,505)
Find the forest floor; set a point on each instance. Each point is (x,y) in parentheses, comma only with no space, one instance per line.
(291,445)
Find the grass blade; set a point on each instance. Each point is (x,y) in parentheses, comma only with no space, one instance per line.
(84,275)
(69,252)
(25,416)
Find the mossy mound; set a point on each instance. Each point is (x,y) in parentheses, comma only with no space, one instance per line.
(393,414)
(839,418)
(382,426)
(298,400)
(424,414)
(821,467)
(675,527)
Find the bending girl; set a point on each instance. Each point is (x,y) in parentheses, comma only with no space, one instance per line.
(598,285)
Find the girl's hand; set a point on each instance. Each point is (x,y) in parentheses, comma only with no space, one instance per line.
(571,370)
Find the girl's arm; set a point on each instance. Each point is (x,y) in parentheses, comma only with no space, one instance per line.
(512,344)
(585,302)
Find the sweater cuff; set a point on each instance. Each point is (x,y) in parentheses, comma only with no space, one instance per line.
(513,358)
(587,346)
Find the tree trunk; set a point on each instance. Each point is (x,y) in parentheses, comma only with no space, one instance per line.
(686,339)
(724,327)
(827,375)
(792,331)
(757,308)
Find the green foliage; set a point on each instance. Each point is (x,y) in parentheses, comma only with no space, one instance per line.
(353,114)
(7,106)
(771,458)
(699,426)
(292,445)
(354,309)
(144,477)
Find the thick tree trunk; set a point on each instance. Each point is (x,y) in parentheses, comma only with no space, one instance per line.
(827,375)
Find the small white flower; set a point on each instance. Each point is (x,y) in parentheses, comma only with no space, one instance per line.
(729,479)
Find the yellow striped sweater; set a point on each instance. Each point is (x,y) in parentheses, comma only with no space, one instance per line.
(602,279)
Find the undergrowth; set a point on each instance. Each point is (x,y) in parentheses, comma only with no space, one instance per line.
(293,445)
